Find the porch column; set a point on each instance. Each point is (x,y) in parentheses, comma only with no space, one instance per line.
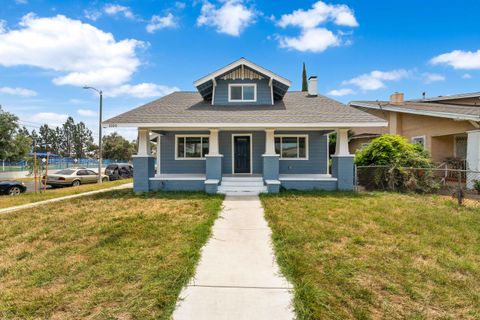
(159,150)
(143,163)
(473,156)
(213,165)
(342,162)
(271,165)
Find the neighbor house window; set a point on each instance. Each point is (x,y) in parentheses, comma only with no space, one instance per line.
(191,147)
(242,92)
(292,147)
(419,140)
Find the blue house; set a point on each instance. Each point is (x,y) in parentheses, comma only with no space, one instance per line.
(243,131)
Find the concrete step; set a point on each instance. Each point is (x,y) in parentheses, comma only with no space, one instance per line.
(222,189)
(242,183)
(242,193)
(242,179)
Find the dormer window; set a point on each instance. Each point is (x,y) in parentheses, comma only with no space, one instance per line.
(245,92)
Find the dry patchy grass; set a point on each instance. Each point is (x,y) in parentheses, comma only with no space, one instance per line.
(377,256)
(29,197)
(112,255)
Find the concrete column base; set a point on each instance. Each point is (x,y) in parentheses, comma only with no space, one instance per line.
(214,166)
(343,170)
(271,166)
(143,170)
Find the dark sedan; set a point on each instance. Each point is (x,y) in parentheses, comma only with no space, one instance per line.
(12,188)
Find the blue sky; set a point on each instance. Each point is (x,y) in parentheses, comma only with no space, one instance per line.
(137,51)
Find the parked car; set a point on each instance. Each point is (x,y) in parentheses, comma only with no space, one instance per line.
(12,188)
(72,177)
(117,171)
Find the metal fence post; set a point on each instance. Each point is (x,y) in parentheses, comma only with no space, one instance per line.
(459,189)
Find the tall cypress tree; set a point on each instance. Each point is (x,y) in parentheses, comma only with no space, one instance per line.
(304,79)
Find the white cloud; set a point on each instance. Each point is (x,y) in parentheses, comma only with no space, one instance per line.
(158,22)
(433,77)
(341,92)
(114,9)
(458,59)
(80,52)
(180,5)
(3,26)
(21,1)
(312,40)
(50,118)
(22,92)
(92,14)
(320,13)
(376,79)
(142,90)
(467,76)
(87,112)
(231,18)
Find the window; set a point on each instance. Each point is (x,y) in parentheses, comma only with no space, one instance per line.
(191,147)
(419,140)
(242,92)
(292,147)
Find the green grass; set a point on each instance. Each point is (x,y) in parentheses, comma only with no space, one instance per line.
(29,197)
(115,255)
(377,256)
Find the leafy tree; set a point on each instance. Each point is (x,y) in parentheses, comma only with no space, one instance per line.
(116,147)
(395,165)
(82,136)
(304,79)
(14,144)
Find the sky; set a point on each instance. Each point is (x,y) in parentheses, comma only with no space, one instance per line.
(138,51)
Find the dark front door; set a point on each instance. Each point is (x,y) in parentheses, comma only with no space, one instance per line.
(241,154)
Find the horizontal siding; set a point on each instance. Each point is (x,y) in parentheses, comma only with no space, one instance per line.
(317,157)
(264,95)
(167,154)
(258,146)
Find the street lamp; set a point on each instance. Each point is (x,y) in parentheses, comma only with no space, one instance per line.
(99,135)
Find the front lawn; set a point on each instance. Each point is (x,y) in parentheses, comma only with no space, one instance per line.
(29,197)
(377,256)
(115,255)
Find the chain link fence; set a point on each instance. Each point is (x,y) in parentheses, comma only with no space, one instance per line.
(457,183)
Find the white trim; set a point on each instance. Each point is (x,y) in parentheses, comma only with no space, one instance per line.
(424,137)
(270,84)
(328,152)
(261,126)
(230,85)
(185,145)
(242,61)
(179,176)
(306,136)
(403,109)
(213,91)
(233,150)
(159,156)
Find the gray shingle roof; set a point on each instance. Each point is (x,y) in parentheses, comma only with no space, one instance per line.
(430,108)
(296,107)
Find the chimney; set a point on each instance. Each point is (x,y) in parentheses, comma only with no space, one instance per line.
(396,99)
(312,86)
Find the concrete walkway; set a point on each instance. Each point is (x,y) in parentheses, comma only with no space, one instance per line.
(237,277)
(39,203)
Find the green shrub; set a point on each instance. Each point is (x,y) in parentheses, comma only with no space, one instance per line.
(392,160)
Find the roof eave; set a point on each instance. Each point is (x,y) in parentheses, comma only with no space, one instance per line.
(449,115)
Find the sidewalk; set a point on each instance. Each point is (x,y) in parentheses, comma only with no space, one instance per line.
(237,277)
(39,203)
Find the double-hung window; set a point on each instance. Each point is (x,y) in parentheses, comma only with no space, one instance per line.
(242,92)
(419,140)
(191,147)
(292,147)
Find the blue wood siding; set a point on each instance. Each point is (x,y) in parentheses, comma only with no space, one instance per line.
(167,153)
(258,146)
(317,155)
(264,95)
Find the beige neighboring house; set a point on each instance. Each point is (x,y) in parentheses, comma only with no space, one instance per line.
(447,126)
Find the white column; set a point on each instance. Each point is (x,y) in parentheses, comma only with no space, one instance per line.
(213,149)
(473,155)
(159,140)
(270,141)
(341,148)
(143,142)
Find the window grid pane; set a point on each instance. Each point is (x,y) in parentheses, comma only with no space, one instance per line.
(291,147)
(181,147)
(193,147)
(248,93)
(302,148)
(236,93)
(205,146)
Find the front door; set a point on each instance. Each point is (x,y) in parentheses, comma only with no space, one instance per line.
(241,154)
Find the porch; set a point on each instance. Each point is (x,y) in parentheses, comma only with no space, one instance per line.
(226,160)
